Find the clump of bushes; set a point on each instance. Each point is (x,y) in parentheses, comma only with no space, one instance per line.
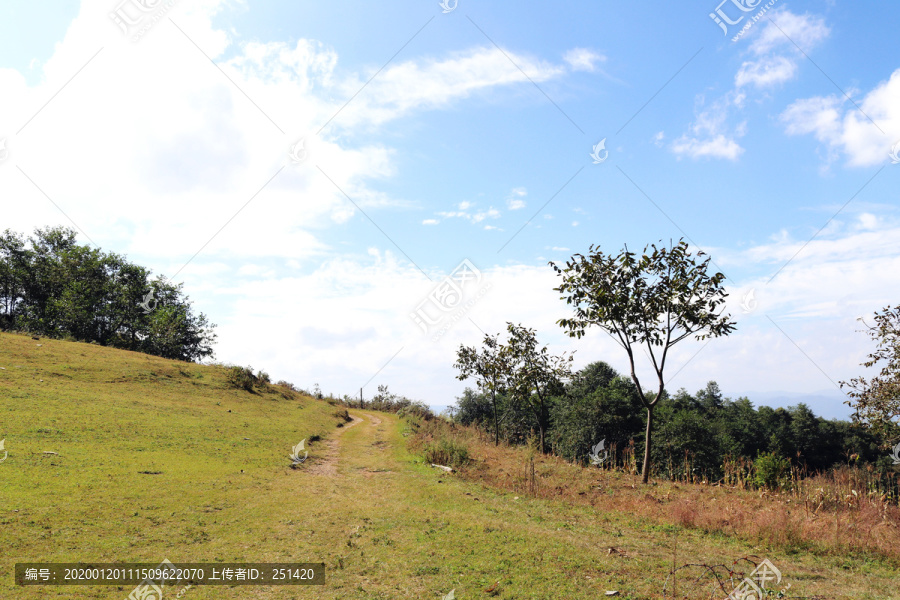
(242,377)
(447,452)
(772,471)
(343,415)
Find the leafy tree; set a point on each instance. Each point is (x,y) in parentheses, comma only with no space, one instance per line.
(534,375)
(473,408)
(58,288)
(877,400)
(688,439)
(490,370)
(710,398)
(599,405)
(13,261)
(655,301)
(738,429)
(595,376)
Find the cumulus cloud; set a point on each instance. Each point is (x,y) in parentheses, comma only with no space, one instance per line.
(775,61)
(847,130)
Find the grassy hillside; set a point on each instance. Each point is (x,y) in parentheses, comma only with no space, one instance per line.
(158,459)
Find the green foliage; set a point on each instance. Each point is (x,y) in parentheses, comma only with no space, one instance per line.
(877,400)
(491,373)
(51,286)
(386,401)
(607,408)
(772,471)
(649,303)
(242,377)
(446,452)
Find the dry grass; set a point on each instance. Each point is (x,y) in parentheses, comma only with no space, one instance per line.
(835,513)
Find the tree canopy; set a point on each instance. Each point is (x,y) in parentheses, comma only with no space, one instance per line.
(655,301)
(52,286)
(877,400)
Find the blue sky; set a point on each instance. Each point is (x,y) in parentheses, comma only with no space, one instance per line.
(432,137)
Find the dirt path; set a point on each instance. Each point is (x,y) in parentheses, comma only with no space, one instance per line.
(327,465)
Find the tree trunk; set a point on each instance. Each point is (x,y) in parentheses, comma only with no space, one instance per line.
(645,472)
(496,421)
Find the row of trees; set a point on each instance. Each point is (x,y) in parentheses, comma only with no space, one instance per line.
(52,286)
(699,431)
(648,304)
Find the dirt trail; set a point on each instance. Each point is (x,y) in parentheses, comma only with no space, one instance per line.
(327,465)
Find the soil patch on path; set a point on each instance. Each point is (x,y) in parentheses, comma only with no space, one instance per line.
(327,465)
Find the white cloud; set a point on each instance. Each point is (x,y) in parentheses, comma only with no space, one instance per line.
(711,135)
(515,202)
(717,147)
(766,72)
(491,213)
(844,129)
(430,222)
(437,83)
(806,31)
(708,136)
(583,59)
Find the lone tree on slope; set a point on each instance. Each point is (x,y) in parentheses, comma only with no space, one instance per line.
(656,300)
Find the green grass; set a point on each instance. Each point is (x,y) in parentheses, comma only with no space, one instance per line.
(387,526)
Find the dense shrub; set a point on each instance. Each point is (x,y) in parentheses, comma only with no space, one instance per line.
(446,452)
(242,377)
(772,471)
